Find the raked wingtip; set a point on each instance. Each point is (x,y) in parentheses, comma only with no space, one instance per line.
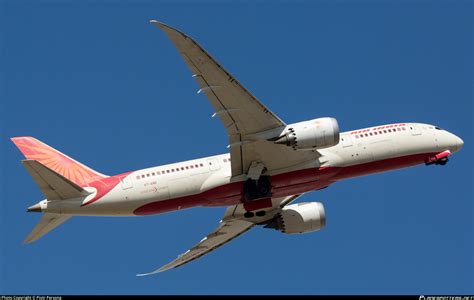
(151,273)
(158,23)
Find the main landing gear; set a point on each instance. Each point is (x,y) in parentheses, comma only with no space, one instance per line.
(257,195)
(257,191)
(260,213)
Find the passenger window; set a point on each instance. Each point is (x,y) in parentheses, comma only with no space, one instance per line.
(148,175)
(138,177)
(143,176)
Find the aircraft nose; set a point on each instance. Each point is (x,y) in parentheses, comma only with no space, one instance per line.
(459,143)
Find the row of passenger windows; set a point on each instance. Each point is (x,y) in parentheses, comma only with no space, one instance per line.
(170,171)
(379,132)
(195,166)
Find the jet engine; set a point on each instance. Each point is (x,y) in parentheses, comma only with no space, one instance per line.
(299,218)
(310,135)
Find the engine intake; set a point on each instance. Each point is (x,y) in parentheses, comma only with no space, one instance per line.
(299,218)
(310,135)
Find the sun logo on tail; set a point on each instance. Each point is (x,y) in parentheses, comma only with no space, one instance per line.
(56,161)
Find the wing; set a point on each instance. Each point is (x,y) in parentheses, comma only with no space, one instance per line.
(231,226)
(227,231)
(237,108)
(242,114)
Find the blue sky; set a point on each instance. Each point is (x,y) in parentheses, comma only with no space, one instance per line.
(95,80)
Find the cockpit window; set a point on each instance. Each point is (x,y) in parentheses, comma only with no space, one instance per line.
(437,128)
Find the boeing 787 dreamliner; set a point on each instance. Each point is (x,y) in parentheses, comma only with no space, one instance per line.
(269,165)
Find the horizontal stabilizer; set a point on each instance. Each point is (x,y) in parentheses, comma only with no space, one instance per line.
(47,223)
(53,185)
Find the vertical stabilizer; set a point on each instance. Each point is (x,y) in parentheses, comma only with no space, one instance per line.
(60,163)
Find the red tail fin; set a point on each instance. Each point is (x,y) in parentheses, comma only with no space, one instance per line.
(57,161)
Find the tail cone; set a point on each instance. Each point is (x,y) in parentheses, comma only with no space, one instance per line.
(34,208)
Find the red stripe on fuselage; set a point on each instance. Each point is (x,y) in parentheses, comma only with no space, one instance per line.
(283,185)
(104,186)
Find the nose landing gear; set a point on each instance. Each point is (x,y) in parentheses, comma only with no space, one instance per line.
(438,159)
(443,161)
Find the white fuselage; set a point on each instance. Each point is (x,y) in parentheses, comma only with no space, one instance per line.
(207,181)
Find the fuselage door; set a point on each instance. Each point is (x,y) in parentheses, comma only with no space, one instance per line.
(213,164)
(346,140)
(415,130)
(126,182)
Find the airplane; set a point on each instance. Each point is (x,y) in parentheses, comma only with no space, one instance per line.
(270,164)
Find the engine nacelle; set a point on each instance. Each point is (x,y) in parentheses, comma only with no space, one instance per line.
(311,135)
(299,218)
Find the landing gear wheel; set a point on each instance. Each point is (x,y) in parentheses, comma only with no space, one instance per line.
(443,161)
(260,213)
(249,214)
(257,189)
